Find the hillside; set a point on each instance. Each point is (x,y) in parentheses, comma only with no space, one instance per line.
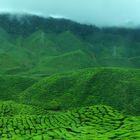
(118,88)
(35,42)
(11,86)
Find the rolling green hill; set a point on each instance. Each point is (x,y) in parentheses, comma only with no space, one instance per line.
(116,87)
(11,86)
(69,61)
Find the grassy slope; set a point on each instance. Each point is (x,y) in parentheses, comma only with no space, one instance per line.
(68,61)
(116,87)
(50,53)
(84,87)
(11,86)
(14,58)
(43,53)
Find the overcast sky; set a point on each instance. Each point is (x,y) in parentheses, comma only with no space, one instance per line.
(98,12)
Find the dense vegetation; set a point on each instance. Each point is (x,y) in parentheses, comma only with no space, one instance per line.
(94,122)
(64,80)
(118,88)
(34,45)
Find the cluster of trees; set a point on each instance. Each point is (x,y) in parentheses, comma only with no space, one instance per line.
(27,24)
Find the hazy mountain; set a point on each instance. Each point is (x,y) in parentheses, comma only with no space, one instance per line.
(35,44)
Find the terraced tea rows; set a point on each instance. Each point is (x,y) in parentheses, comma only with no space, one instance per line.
(95,122)
(11,109)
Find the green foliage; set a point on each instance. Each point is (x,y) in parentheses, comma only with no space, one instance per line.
(79,123)
(12,109)
(49,46)
(11,86)
(48,66)
(111,86)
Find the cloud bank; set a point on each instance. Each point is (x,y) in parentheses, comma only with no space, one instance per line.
(98,12)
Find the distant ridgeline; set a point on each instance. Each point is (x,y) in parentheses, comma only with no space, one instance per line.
(26,24)
(37,45)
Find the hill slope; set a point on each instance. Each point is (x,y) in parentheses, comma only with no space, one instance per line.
(11,86)
(115,87)
(28,42)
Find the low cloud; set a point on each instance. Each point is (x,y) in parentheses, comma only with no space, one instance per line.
(98,12)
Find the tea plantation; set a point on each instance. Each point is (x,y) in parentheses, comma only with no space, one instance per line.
(92,122)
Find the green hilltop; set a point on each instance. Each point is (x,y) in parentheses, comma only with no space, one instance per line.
(115,87)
